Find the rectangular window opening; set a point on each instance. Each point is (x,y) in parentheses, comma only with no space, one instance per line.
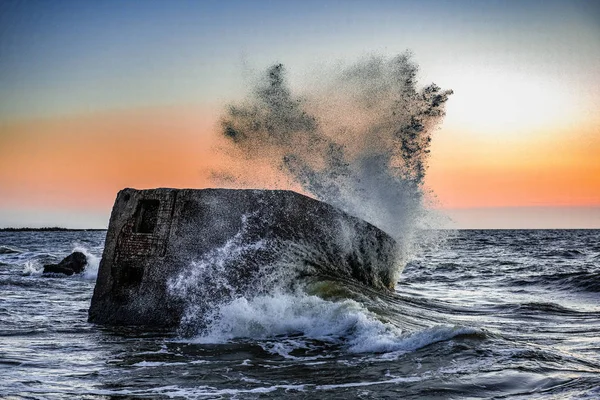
(146,216)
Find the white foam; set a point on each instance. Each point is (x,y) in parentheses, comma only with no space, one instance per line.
(93,262)
(32,268)
(395,380)
(201,391)
(146,364)
(345,323)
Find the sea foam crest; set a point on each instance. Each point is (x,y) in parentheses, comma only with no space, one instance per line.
(32,267)
(93,261)
(273,303)
(216,278)
(345,323)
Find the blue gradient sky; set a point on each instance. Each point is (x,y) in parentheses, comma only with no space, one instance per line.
(77,56)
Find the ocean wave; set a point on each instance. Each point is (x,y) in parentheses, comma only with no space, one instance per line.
(564,253)
(584,281)
(32,268)
(22,282)
(93,261)
(536,308)
(10,250)
(306,318)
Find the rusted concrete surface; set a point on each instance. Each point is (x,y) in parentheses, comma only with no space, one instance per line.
(154,234)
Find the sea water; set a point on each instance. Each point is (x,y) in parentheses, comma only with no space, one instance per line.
(491,313)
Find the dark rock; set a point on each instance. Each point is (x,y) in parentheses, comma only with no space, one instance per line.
(74,263)
(155,235)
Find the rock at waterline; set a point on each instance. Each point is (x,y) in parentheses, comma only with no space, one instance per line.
(155,236)
(74,263)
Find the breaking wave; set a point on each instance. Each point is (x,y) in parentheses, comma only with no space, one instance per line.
(359,140)
(286,307)
(36,268)
(93,261)
(307,318)
(32,267)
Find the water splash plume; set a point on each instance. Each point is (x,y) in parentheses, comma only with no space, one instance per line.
(360,141)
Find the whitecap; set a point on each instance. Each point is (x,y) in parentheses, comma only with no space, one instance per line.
(93,262)
(294,319)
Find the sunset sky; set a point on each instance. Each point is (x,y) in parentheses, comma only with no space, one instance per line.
(98,96)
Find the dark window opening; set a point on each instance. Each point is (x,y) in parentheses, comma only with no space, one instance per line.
(128,274)
(146,216)
(132,275)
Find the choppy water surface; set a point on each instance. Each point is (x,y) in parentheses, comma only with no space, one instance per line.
(487,314)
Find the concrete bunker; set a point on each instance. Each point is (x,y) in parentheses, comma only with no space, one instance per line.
(154,234)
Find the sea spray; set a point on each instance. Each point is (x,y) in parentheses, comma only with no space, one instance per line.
(299,321)
(360,141)
(93,261)
(32,267)
(36,267)
(217,278)
(248,265)
(300,297)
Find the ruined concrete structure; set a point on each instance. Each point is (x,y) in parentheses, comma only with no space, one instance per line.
(154,234)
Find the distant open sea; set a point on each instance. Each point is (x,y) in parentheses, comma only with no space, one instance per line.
(485,314)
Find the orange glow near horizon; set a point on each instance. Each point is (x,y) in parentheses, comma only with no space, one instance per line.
(545,168)
(81,162)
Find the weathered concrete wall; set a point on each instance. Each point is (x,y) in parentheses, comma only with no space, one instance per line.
(154,234)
